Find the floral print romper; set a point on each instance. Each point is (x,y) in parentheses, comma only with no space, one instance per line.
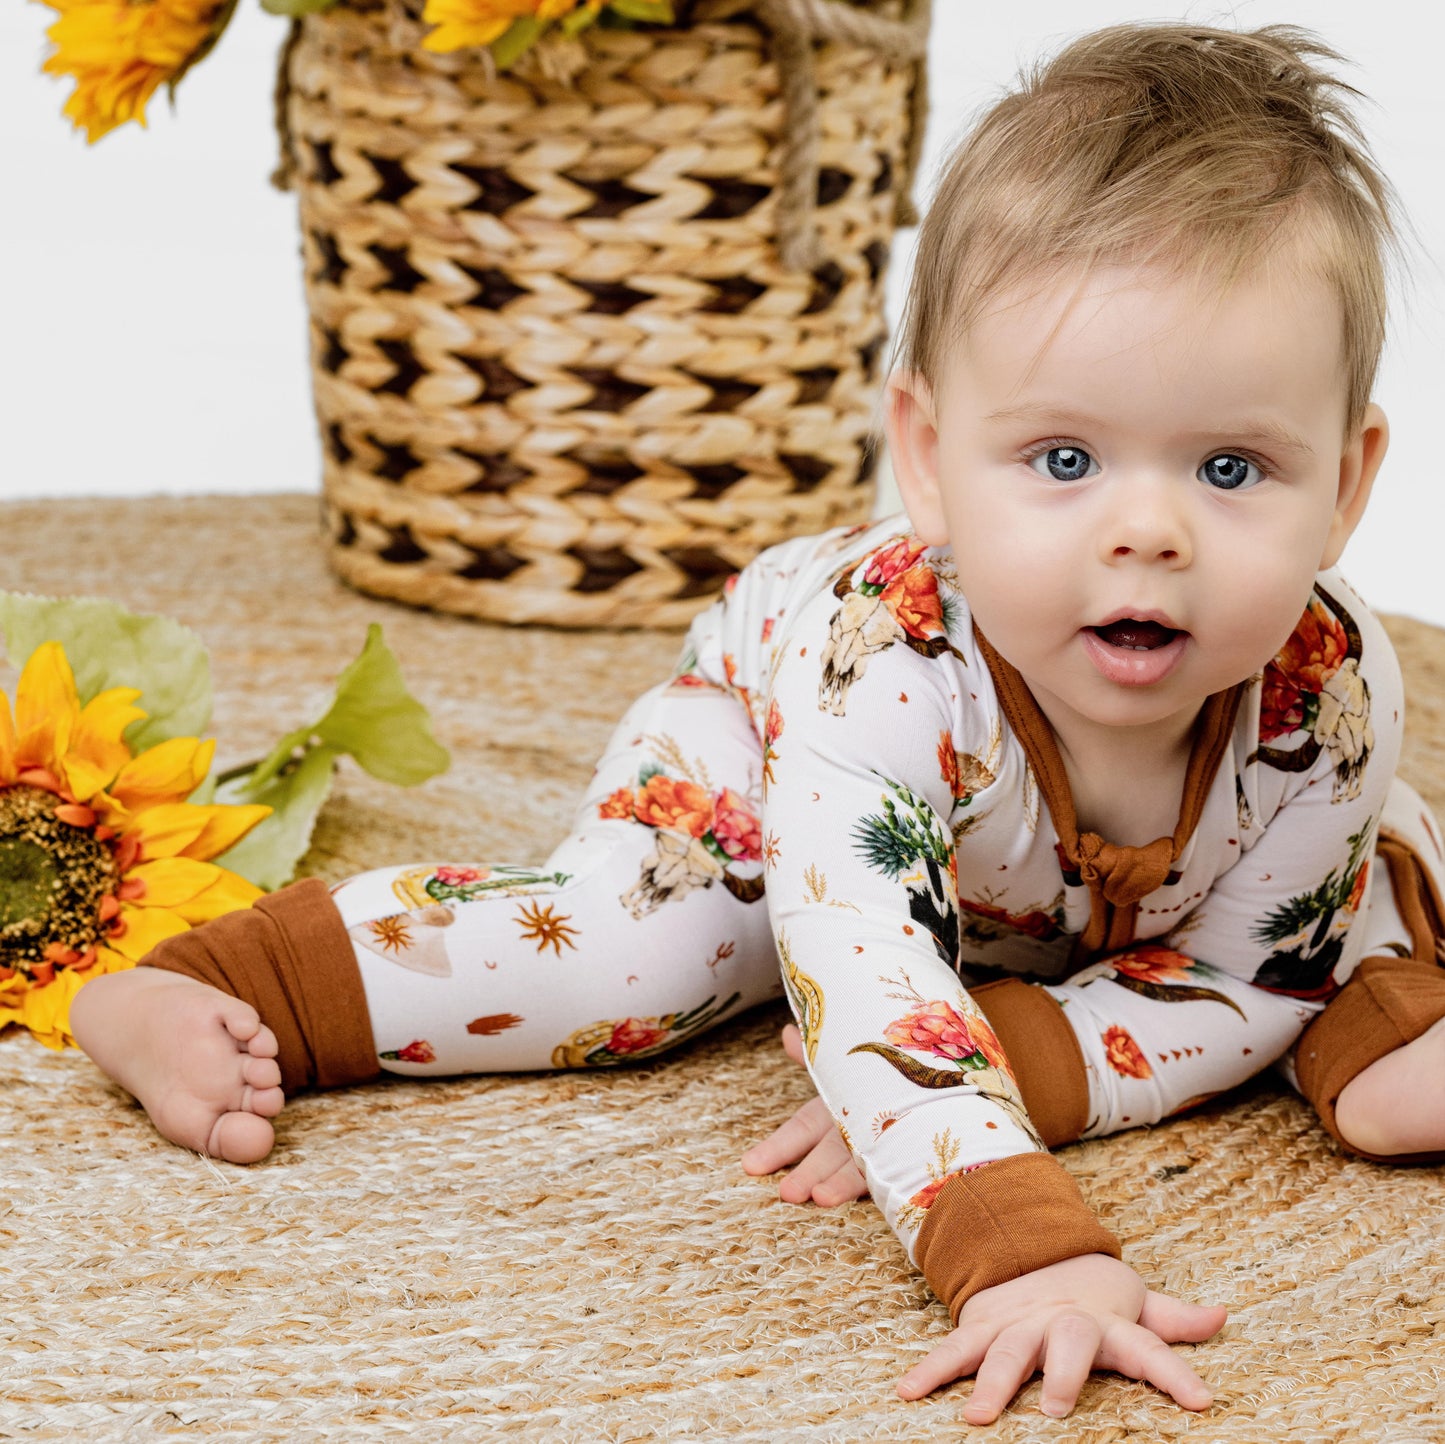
(843,795)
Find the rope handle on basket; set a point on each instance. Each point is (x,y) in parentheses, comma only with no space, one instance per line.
(796,27)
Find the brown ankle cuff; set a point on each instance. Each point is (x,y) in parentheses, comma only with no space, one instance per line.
(1387,1003)
(1044,1054)
(290,958)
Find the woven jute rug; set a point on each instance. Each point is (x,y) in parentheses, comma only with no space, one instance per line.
(579,1257)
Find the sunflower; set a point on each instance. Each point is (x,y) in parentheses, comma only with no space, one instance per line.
(101,856)
(462,23)
(121,51)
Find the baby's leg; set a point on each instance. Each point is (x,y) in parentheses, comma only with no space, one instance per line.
(1373,1063)
(645,927)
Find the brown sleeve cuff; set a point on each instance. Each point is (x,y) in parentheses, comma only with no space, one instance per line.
(1044,1054)
(1002,1221)
(1388,1002)
(289,957)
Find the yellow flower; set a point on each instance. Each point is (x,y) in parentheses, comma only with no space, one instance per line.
(460,23)
(120,51)
(101,856)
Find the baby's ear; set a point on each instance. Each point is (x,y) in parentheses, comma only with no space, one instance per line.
(912,431)
(1359,463)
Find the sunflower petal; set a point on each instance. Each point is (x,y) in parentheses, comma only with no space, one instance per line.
(145,928)
(167,830)
(97,753)
(227,894)
(226,825)
(7,742)
(168,772)
(46,707)
(170,881)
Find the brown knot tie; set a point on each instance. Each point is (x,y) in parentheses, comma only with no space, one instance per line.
(1125,874)
(1117,879)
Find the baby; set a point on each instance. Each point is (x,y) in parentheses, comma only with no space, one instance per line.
(1054,808)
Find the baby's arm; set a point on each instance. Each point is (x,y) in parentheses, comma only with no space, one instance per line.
(860,888)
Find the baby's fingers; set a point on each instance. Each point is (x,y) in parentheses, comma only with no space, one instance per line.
(792,1140)
(1010,1361)
(1133,1350)
(958,1355)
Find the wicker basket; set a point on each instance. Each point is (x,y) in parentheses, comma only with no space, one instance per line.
(562,372)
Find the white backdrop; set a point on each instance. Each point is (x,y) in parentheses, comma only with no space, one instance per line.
(155,325)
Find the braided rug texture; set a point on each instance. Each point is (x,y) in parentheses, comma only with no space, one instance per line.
(579,1257)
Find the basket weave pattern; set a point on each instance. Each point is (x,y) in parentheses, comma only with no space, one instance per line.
(561,372)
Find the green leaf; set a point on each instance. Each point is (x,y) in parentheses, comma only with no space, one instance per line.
(519,37)
(268,854)
(108,646)
(296,8)
(650,12)
(378,722)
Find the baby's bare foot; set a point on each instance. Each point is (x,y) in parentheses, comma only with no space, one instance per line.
(200,1062)
(1397,1105)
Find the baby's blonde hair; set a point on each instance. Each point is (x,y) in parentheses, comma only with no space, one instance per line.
(1198,149)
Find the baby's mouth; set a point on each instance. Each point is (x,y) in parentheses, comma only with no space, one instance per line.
(1133,635)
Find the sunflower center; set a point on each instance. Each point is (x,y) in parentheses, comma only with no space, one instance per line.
(52,878)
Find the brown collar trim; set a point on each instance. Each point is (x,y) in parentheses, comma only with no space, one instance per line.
(1212,731)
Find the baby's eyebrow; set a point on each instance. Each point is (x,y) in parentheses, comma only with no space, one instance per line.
(1255,428)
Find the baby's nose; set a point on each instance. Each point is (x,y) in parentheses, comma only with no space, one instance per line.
(1147,522)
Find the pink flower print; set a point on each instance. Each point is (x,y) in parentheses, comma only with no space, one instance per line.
(773,728)
(890,562)
(632,1035)
(419,1051)
(935,1028)
(460,876)
(735,829)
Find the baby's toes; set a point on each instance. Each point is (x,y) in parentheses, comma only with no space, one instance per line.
(240,1138)
(261,1072)
(241,1020)
(262,1044)
(263,1102)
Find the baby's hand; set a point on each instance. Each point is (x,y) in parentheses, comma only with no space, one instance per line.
(1085,1313)
(826,1173)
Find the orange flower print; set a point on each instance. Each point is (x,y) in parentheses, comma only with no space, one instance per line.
(989,1046)
(935,1028)
(678,806)
(735,829)
(948,761)
(925,1195)
(1357,892)
(632,1035)
(913,599)
(1125,1056)
(1293,680)
(915,603)
(1153,965)
(620,805)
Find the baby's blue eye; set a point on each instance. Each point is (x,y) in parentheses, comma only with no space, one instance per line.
(1229,472)
(1065,463)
